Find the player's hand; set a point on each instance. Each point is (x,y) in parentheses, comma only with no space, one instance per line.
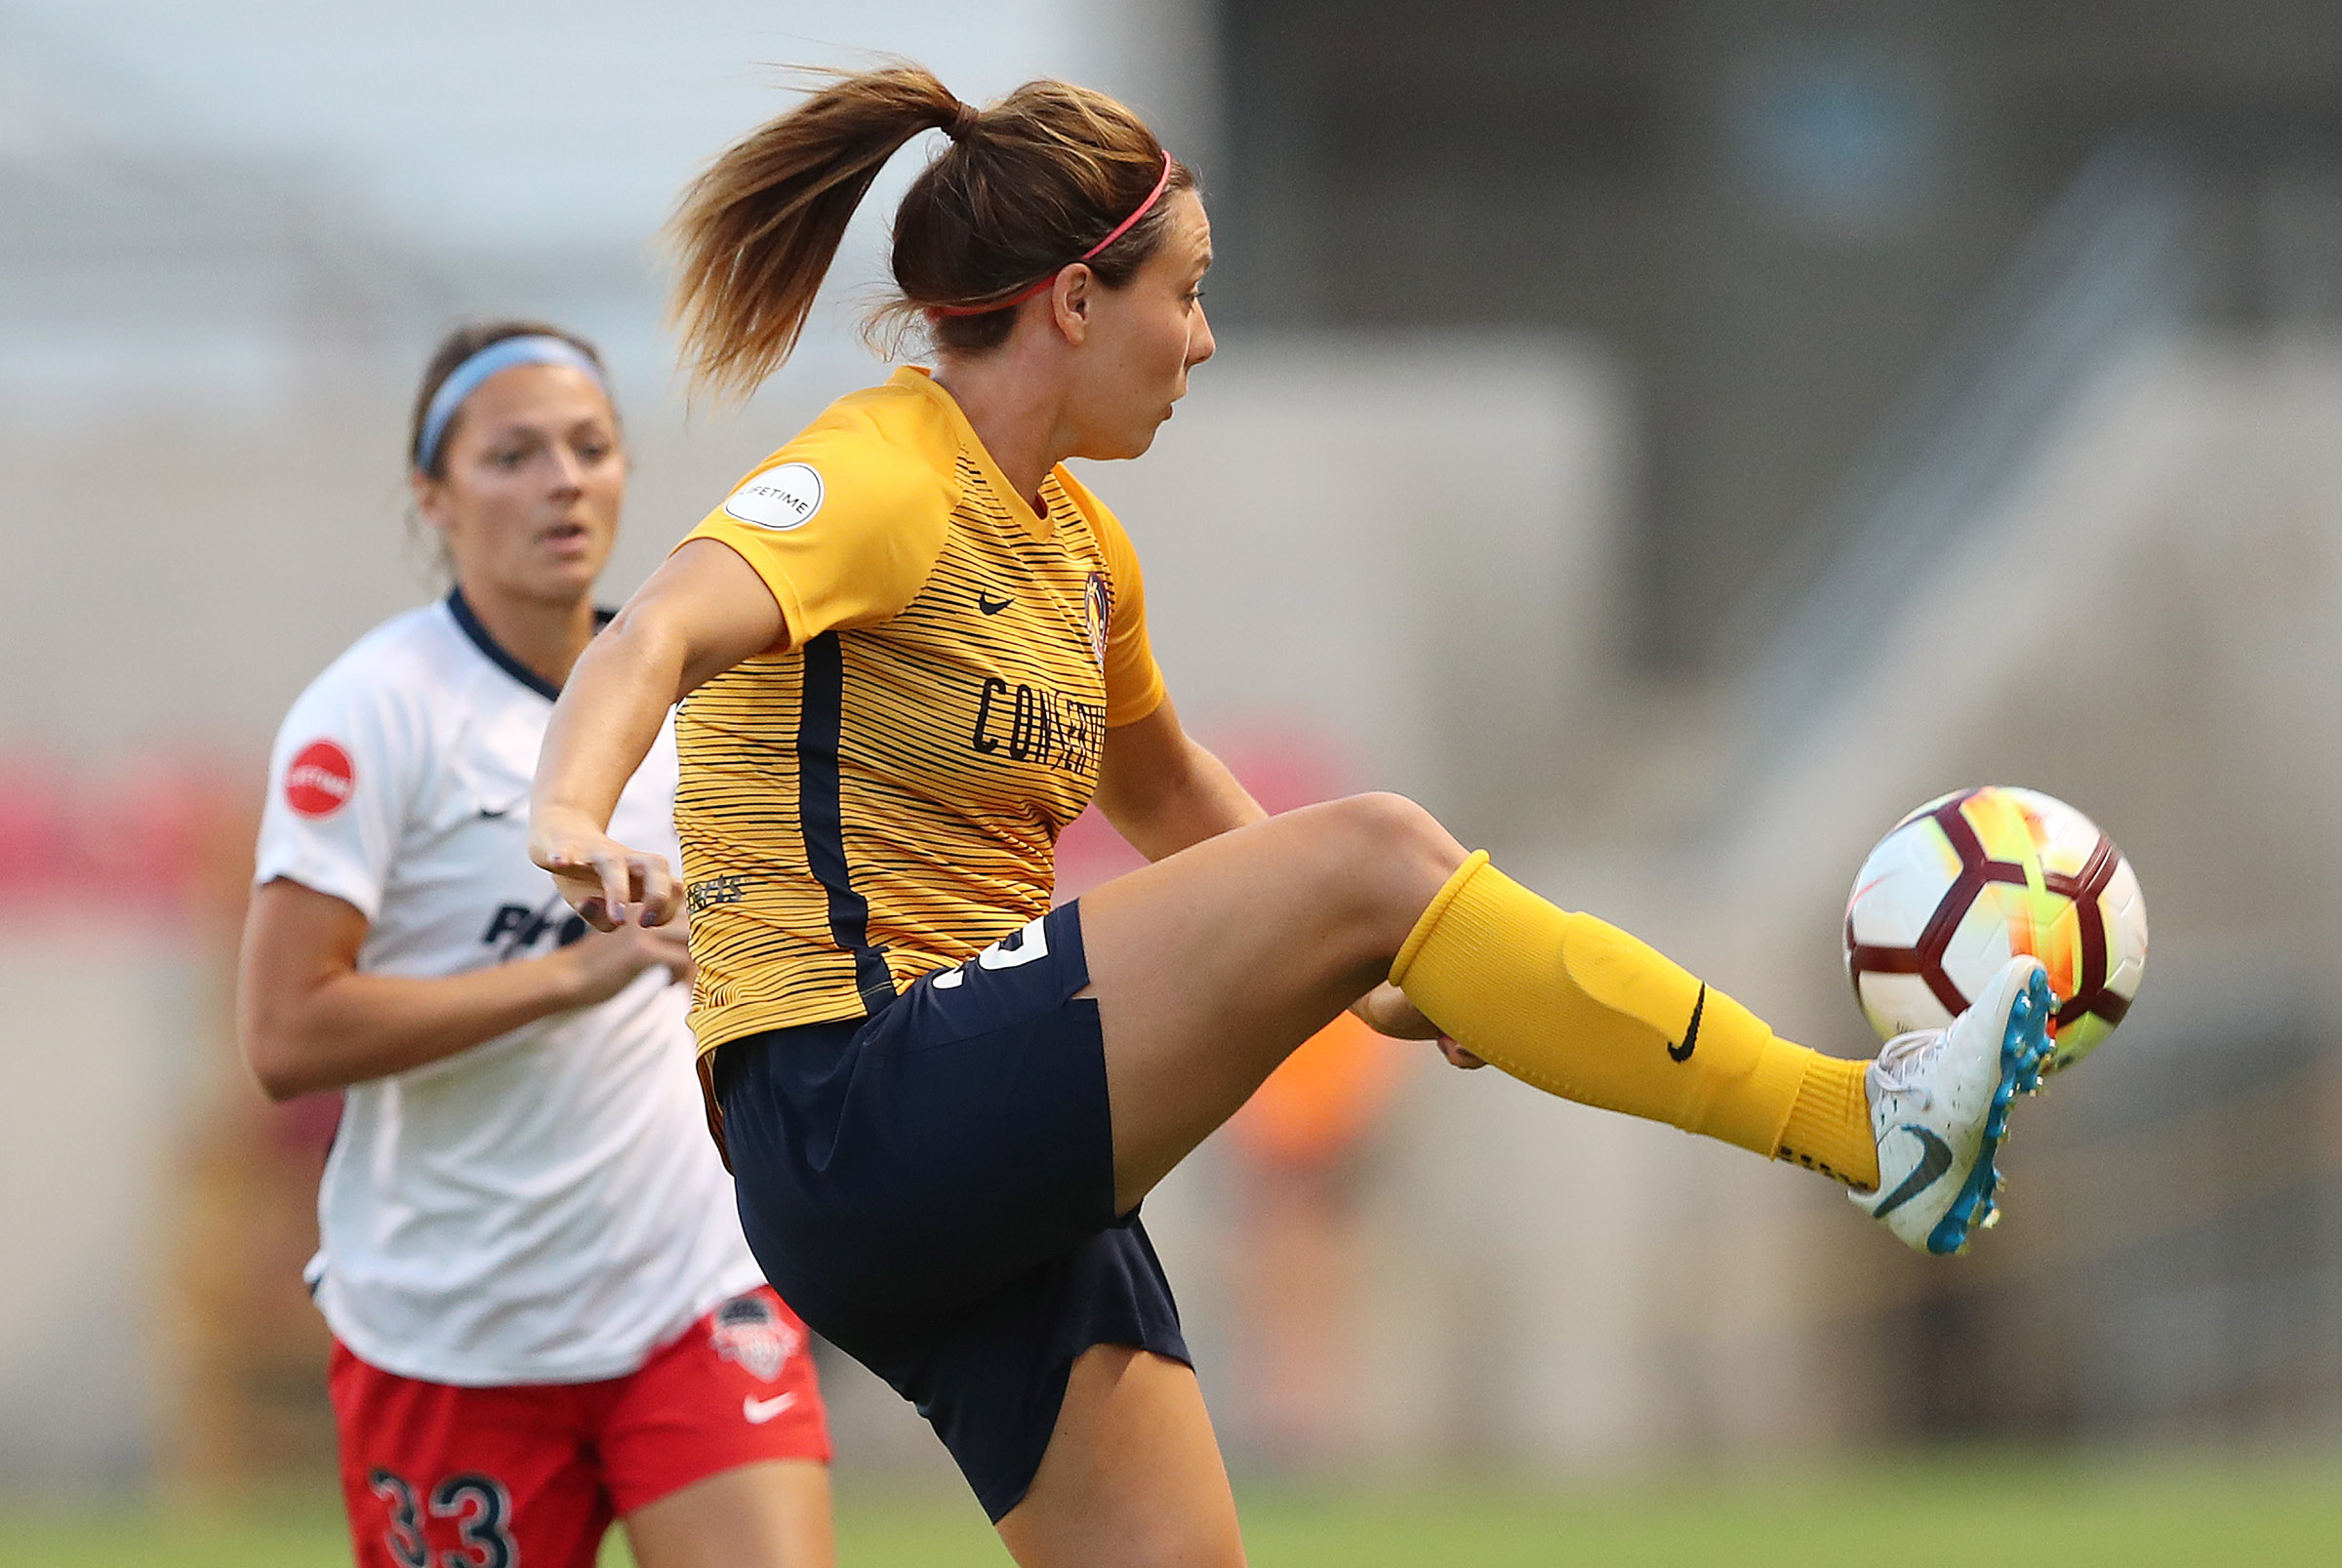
(603,880)
(601,964)
(1386,1010)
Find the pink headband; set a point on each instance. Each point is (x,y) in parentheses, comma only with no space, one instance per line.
(1111,235)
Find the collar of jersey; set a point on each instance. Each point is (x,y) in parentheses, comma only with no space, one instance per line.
(921,379)
(496,653)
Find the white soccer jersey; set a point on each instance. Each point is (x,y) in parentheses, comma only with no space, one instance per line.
(546,1207)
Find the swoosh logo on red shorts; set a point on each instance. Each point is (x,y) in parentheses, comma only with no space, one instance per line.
(759,1410)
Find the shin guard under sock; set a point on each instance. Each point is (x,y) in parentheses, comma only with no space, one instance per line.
(1581,1009)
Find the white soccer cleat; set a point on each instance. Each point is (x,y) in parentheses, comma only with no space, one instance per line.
(1939,1108)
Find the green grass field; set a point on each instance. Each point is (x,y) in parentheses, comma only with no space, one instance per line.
(2004,1510)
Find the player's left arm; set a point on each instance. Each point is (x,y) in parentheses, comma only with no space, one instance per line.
(1162,791)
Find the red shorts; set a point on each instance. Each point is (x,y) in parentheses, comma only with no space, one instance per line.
(434,1474)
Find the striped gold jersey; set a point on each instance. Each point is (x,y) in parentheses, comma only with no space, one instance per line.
(883,798)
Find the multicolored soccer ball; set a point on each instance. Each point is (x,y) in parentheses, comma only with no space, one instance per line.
(1966,882)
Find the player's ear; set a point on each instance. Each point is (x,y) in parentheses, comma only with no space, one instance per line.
(430,498)
(1072,296)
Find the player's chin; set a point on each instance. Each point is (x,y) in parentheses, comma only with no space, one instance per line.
(1127,436)
(1141,438)
(566,577)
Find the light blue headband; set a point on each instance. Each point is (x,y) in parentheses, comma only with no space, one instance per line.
(532,349)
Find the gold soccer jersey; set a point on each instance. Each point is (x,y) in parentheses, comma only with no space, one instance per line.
(885,798)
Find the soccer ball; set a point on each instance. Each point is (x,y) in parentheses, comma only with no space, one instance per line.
(1969,881)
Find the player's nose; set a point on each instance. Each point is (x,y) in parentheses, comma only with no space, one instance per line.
(569,474)
(1200,345)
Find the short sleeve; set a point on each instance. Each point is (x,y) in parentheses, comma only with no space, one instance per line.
(348,766)
(843,527)
(1134,684)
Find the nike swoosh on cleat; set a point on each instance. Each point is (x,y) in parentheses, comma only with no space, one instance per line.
(1935,1158)
(988,606)
(759,1410)
(1692,1030)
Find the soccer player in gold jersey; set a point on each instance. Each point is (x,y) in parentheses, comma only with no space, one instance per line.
(910,648)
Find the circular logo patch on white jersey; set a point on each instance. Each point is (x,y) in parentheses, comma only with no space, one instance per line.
(320,780)
(779,499)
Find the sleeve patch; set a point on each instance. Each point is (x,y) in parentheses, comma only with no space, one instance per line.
(1099,605)
(321,780)
(780,498)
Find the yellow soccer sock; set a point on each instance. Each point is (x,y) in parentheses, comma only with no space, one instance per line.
(1582,1010)
(1828,1126)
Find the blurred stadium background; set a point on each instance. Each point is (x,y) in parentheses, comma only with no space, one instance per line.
(1670,438)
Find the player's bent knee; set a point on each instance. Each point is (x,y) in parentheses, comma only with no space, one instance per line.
(1395,852)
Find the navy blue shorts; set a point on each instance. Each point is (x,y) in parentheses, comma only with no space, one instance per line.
(932,1189)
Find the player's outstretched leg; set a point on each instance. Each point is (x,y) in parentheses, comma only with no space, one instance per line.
(1939,1106)
(1210,965)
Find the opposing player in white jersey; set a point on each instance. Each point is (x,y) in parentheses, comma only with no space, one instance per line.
(543,1314)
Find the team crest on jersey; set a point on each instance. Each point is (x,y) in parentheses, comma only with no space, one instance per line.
(779,499)
(321,780)
(1099,604)
(750,1331)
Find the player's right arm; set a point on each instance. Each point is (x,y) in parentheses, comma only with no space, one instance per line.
(310,1018)
(864,530)
(703,611)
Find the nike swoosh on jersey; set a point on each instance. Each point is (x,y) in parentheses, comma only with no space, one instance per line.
(759,1410)
(988,606)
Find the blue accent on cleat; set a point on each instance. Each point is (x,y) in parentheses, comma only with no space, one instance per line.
(2025,1047)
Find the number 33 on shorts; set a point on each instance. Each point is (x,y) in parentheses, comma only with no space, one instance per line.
(529,1475)
(480,1505)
